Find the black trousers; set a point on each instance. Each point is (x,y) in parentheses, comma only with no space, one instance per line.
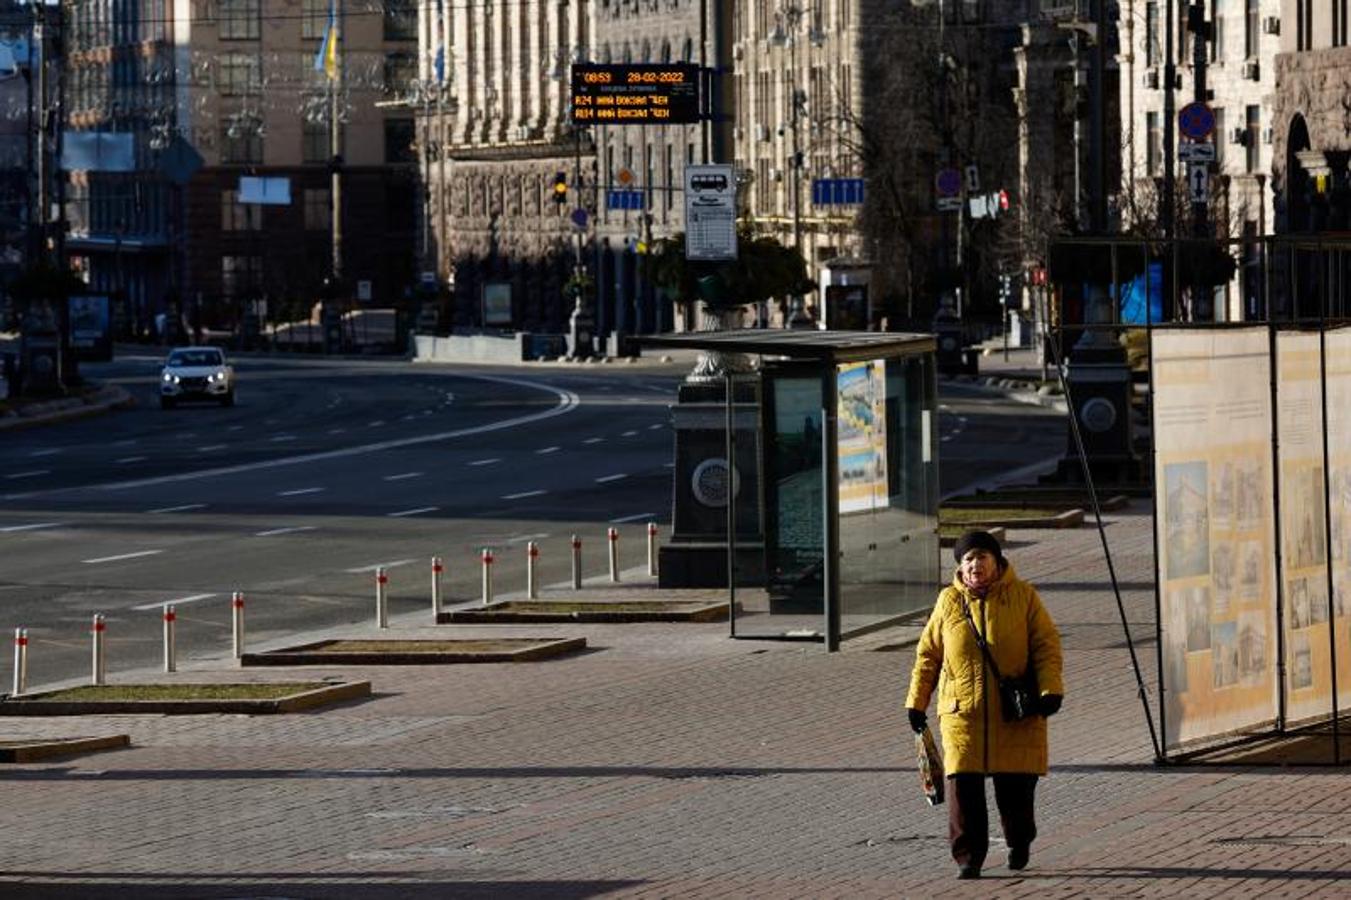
(969,821)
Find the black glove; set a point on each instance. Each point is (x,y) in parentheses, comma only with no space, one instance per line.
(1050,704)
(918,720)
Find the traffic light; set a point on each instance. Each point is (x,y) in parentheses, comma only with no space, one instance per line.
(560,188)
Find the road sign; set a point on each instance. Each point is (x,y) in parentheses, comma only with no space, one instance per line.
(949,204)
(578,217)
(624,200)
(973,179)
(1198,182)
(1191,151)
(837,191)
(710,212)
(948,182)
(625,177)
(1196,120)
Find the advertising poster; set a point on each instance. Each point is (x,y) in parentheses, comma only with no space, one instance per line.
(1304,544)
(1215,498)
(497,303)
(862,436)
(91,327)
(1337,351)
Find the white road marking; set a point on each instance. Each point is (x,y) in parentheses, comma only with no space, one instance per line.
(384,565)
(668,465)
(945,438)
(282,437)
(120,556)
(402,475)
(545,450)
(413,512)
(184,508)
(523,494)
(298,491)
(179,602)
(290,530)
(628,434)
(485,462)
(127,443)
(36,526)
(522,538)
(337,431)
(51,452)
(129,459)
(211,448)
(637,518)
(376,424)
(567,402)
(235,428)
(655,427)
(604,479)
(30,474)
(593,440)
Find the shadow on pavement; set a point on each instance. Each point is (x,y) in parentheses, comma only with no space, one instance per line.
(289,886)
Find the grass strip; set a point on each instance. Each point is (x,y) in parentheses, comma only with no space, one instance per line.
(162,692)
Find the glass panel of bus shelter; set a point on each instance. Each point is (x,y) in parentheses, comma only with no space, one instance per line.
(792,602)
(888,491)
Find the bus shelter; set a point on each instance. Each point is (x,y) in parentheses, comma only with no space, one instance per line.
(842,428)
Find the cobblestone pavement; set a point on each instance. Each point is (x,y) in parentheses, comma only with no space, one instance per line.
(667,761)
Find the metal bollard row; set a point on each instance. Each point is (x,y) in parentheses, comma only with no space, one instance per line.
(20,661)
(237,622)
(381,598)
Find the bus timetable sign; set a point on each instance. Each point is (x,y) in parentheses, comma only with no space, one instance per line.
(635,94)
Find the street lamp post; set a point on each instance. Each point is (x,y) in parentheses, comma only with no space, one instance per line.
(790,22)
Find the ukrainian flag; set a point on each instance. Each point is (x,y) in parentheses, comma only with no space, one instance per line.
(326,60)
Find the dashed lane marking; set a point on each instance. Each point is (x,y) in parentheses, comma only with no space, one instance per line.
(178,602)
(299,491)
(127,460)
(291,530)
(361,570)
(485,462)
(595,440)
(608,478)
(120,556)
(171,509)
(403,475)
(545,450)
(634,518)
(212,448)
(523,494)
(36,526)
(50,452)
(412,512)
(34,473)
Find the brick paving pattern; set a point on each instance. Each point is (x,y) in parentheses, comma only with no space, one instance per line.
(667,761)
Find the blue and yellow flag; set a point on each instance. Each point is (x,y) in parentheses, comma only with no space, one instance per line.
(326,60)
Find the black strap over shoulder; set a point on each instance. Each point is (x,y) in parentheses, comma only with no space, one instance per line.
(980,639)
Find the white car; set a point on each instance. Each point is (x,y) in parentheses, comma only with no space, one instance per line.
(196,373)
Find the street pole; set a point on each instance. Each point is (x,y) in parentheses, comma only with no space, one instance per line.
(38,57)
(1202,305)
(335,150)
(1169,124)
(792,21)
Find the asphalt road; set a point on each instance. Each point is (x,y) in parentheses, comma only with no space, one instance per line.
(328,468)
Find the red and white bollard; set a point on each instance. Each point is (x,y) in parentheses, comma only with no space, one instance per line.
(237,622)
(613,535)
(100,667)
(487,557)
(437,569)
(20,661)
(576,563)
(531,559)
(652,548)
(381,598)
(170,638)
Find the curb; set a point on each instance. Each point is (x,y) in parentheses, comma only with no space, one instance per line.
(1013,389)
(69,409)
(303,700)
(533,612)
(39,750)
(532,650)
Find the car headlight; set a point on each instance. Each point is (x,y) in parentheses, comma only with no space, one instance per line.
(170,378)
(215,377)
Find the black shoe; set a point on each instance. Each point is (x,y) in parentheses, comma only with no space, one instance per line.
(968,871)
(1018,857)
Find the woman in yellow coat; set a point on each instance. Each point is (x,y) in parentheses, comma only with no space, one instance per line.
(977,741)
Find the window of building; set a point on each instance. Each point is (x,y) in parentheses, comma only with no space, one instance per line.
(399,136)
(1303,24)
(314,19)
(1217,20)
(241,141)
(400,20)
(1253,138)
(239,275)
(236,216)
(238,20)
(1153,144)
(1221,136)
(1252,23)
(318,209)
(400,70)
(1339,29)
(316,141)
(240,74)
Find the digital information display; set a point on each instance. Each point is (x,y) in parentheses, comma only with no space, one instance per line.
(635,94)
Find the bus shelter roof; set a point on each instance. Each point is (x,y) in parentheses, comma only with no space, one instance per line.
(830,347)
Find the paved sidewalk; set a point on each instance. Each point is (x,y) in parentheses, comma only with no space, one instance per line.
(669,761)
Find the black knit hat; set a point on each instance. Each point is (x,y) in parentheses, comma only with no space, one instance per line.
(977,540)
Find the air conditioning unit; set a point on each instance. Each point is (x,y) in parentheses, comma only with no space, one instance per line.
(1252,70)
(1271,25)
(1238,136)
(1268,134)
(1152,79)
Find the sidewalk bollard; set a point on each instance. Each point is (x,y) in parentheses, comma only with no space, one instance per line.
(100,673)
(576,563)
(613,535)
(237,613)
(20,661)
(652,548)
(487,576)
(381,598)
(437,569)
(531,581)
(170,639)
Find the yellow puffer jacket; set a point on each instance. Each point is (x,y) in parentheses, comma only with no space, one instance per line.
(976,739)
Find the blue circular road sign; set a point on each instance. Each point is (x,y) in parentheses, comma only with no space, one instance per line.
(1196,120)
(579,218)
(948,182)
